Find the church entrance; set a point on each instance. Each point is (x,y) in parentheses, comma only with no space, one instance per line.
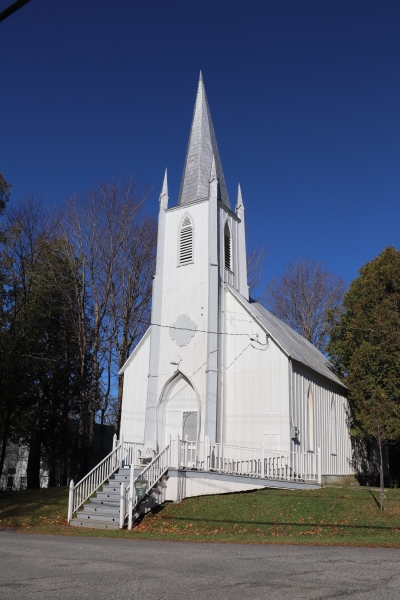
(181,414)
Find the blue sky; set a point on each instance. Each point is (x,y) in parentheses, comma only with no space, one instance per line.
(304,95)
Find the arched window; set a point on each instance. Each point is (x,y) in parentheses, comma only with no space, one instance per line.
(310,421)
(333,427)
(186,242)
(228,247)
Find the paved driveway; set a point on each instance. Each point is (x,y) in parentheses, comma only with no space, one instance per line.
(51,567)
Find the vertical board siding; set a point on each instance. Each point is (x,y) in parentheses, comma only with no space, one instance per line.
(185,291)
(256,407)
(323,392)
(135,393)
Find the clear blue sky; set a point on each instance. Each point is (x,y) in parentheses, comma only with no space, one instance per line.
(304,95)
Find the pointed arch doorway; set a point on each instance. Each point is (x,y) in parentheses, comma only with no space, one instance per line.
(178,411)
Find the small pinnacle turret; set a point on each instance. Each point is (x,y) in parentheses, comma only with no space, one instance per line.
(239,202)
(164,192)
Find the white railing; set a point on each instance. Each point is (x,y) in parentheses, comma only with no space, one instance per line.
(151,474)
(238,460)
(186,454)
(123,453)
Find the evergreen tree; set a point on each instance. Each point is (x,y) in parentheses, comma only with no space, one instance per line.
(365,348)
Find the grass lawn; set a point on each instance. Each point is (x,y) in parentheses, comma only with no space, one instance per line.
(330,516)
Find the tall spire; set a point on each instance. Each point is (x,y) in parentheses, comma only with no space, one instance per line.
(201,149)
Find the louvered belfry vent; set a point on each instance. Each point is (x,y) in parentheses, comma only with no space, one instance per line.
(228,247)
(186,242)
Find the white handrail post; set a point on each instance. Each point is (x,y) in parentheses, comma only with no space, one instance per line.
(262,461)
(178,440)
(121,506)
(319,473)
(114,441)
(205,452)
(70,500)
(121,456)
(130,505)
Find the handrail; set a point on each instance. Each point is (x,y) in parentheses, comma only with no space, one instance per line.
(186,454)
(122,453)
(154,471)
(240,460)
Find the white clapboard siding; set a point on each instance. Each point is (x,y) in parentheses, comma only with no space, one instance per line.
(136,373)
(323,392)
(255,380)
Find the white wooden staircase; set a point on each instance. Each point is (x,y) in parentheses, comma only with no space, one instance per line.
(120,489)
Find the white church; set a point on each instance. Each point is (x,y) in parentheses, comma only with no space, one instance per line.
(213,362)
(218,380)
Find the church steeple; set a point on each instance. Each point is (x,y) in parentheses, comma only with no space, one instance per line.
(201,149)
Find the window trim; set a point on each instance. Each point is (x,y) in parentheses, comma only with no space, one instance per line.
(227,226)
(191,261)
(333,427)
(310,420)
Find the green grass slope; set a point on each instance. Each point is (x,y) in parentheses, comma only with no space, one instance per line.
(330,516)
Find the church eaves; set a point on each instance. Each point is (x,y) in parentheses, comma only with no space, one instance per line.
(201,149)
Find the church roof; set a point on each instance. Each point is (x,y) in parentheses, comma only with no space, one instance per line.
(201,149)
(294,344)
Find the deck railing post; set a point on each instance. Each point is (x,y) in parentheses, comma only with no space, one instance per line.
(130,502)
(262,461)
(70,500)
(121,506)
(121,456)
(319,465)
(205,453)
(178,450)
(114,441)
(186,452)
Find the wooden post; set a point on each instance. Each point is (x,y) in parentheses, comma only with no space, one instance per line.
(130,505)
(205,453)
(70,499)
(121,506)
(121,456)
(262,461)
(178,451)
(319,466)
(185,456)
(114,441)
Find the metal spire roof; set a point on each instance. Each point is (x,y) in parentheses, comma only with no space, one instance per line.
(201,149)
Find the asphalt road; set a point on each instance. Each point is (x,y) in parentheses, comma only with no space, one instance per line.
(51,567)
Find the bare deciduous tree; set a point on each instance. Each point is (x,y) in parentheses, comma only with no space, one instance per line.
(131,293)
(255,262)
(114,244)
(307,297)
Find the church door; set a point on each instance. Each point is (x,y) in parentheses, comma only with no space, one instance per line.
(181,415)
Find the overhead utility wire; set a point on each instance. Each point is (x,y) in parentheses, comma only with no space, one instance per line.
(7,12)
(267,334)
(206,331)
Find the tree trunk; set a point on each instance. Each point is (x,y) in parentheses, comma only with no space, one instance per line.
(64,444)
(119,405)
(33,468)
(51,464)
(4,441)
(81,445)
(382,481)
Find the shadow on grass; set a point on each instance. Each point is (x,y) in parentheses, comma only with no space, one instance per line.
(240,523)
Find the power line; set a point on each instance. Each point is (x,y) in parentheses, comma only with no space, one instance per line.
(7,12)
